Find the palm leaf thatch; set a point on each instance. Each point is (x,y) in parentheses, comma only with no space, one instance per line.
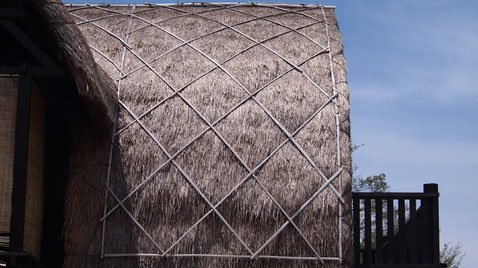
(232,139)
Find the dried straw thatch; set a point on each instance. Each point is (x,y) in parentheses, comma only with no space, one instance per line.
(94,86)
(209,112)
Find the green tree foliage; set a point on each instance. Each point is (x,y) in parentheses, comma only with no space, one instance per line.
(452,255)
(375,183)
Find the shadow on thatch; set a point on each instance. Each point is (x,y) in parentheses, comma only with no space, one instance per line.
(94,86)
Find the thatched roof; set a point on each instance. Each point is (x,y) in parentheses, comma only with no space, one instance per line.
(245,106)
(94,86)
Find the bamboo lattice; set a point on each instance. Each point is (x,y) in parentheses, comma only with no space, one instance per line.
(251,95)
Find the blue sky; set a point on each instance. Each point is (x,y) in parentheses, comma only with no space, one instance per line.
(412,72)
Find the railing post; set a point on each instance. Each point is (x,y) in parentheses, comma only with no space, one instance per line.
(413,231)
(425,231)
(390,232)
(368,232)
(356,212)
(401,240)
(434,220)
(379,230)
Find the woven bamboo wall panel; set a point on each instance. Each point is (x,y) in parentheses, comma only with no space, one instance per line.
(34,194)
(8,107)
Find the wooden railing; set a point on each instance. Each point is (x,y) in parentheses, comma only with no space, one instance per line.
(397,229)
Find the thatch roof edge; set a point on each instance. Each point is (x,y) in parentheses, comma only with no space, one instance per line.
(208,3)
(95,88)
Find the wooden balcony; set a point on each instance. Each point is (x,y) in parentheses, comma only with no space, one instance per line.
(397,229)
